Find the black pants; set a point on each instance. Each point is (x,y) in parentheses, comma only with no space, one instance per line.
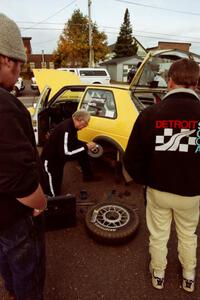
(54,170)
(22,258)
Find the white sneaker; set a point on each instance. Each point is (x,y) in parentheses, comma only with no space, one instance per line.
(188,281)
(188,285)
(157,278)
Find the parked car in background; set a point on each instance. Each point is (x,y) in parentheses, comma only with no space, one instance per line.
(18,87)
(90,75)
(34,85)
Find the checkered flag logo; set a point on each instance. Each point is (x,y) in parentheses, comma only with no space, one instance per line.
(174,141)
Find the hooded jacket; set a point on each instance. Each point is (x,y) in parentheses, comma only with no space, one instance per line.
(163,150)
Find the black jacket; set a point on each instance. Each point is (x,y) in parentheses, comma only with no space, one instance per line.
(62,144)
(163,150)
(20,167)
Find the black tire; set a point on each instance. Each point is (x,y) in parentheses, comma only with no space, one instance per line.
(111,222)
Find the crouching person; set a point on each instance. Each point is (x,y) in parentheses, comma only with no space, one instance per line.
(63,145)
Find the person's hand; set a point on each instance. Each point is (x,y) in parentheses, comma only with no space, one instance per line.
(37,212)
(91,145)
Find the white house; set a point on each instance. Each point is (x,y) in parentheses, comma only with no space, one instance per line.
(118,68)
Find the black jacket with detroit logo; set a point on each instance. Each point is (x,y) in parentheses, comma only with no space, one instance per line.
(163,151)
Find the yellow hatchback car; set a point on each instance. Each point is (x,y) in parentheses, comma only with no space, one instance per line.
(113,108)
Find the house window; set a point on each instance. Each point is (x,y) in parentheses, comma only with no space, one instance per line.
(43,64)
(32,65)
(51,65)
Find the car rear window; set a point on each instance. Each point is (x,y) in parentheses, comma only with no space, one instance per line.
(93,73)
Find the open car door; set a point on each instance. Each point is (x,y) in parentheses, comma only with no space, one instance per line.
(149,84)
(60,107)
(49,82)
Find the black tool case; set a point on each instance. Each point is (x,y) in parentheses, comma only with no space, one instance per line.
(60,212)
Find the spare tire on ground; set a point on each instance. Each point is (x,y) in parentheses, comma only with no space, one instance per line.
(111,222)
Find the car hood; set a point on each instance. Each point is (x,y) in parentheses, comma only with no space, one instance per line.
(55,79)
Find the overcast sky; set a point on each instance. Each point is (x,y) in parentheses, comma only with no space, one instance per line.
(152,20)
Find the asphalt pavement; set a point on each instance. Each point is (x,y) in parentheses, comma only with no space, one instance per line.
(79,268)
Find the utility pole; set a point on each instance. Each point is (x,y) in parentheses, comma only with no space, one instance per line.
(43,60)
(91,56)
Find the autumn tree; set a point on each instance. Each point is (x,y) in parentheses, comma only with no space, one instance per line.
(125,45)
(73,44)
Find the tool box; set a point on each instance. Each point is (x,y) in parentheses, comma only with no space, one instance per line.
(60,212)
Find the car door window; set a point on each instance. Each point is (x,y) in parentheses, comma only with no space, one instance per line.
(99,103)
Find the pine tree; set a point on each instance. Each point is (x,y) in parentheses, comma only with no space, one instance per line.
(125,45)
(73,44)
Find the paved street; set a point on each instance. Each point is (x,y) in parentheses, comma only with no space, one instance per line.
(78,268)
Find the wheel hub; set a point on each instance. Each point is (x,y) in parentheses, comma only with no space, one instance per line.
(111,217)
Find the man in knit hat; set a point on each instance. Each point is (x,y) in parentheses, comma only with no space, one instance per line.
(22,199)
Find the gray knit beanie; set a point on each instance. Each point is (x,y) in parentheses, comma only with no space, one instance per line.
(11,44)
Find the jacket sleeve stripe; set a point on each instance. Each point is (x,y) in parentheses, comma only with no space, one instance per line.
(49,177)
(66,150)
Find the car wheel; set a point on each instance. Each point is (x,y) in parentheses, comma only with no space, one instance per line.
(96,152)
(111,222)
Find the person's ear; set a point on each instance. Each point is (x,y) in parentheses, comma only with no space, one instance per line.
(170,84)
(7,62)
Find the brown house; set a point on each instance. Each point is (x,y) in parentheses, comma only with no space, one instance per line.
(171,45)
(37,61)
(27,45)
(40,61)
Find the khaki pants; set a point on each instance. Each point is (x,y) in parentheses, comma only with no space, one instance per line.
(161,208)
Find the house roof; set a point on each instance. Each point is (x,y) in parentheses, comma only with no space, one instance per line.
(171,45)
(116,61)
(39,57)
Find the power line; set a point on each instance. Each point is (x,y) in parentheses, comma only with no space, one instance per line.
(103,28)
(136,33)
(32,22)
(149,32)
(161,8)
(44,42)
(165,38)
(145,36)
(117,32)
(40,28)
(52,15)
